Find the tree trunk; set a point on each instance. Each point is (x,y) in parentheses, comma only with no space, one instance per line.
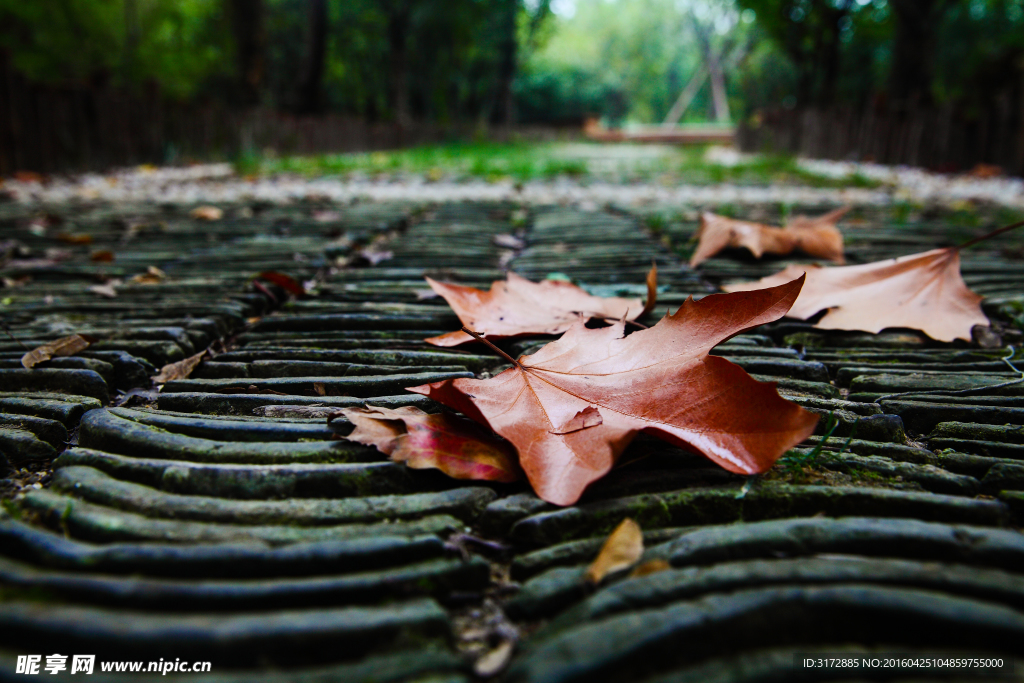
(719,98)
(250,47)
(913,48)
(131,41)
(310,84)
(398,61)
(503,111)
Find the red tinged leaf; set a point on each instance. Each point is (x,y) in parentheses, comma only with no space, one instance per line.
(518,306)
(455,446)
(285,282)
(660,381)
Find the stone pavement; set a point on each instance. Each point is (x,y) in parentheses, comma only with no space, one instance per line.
(219,520)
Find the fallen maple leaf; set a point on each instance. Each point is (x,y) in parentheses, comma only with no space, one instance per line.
(622,549)
(65,346)
(573,406)
(457,447)
(817,236)
(179,370)
(921,291)
(518,306)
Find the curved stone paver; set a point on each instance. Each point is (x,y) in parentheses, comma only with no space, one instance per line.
(221,519)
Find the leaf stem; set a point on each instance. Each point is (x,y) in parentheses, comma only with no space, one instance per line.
(479,338)
(1000,231)
(10,334)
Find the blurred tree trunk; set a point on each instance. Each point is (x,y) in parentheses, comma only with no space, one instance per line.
(508,54)
(913,49)
(399,21)
(131,41)
(250,34)
(311,81)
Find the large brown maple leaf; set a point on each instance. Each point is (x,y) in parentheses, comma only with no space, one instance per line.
(573,406)
(816,236)
(517,306)
(921,291)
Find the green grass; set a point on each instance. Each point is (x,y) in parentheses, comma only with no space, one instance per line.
(520,161)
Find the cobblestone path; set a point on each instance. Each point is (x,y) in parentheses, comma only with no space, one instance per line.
(218,520)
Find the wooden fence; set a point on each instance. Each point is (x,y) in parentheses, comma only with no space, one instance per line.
(50,129)
(941,139)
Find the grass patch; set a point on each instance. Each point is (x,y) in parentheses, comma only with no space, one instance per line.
(521,161)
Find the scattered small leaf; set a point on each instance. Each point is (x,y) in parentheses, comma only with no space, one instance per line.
(495,661)
(621,550)
(106,290)
(921,291)
(424,294)
(68,238)
(817,236)
(152,276)
(15,282)
(375,256)
(65,346)
(206,213)
(103,256)
(457,447)
(319,388)
(649,567)
(28,177)
(508,241)
(285,282)
(660,381)
(985,171)
(179,370)
(518,306)
(326,216)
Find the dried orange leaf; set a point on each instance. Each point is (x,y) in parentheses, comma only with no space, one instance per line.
(65,346)
(817,236)
(455,446)
(103,256)
(649,567)
(660,381)
(206,213)
(180,370)
(922,291)
(518,306)
(621,550)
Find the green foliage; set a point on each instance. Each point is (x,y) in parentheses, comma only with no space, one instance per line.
(180,44)
(626,60)
(566,94)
